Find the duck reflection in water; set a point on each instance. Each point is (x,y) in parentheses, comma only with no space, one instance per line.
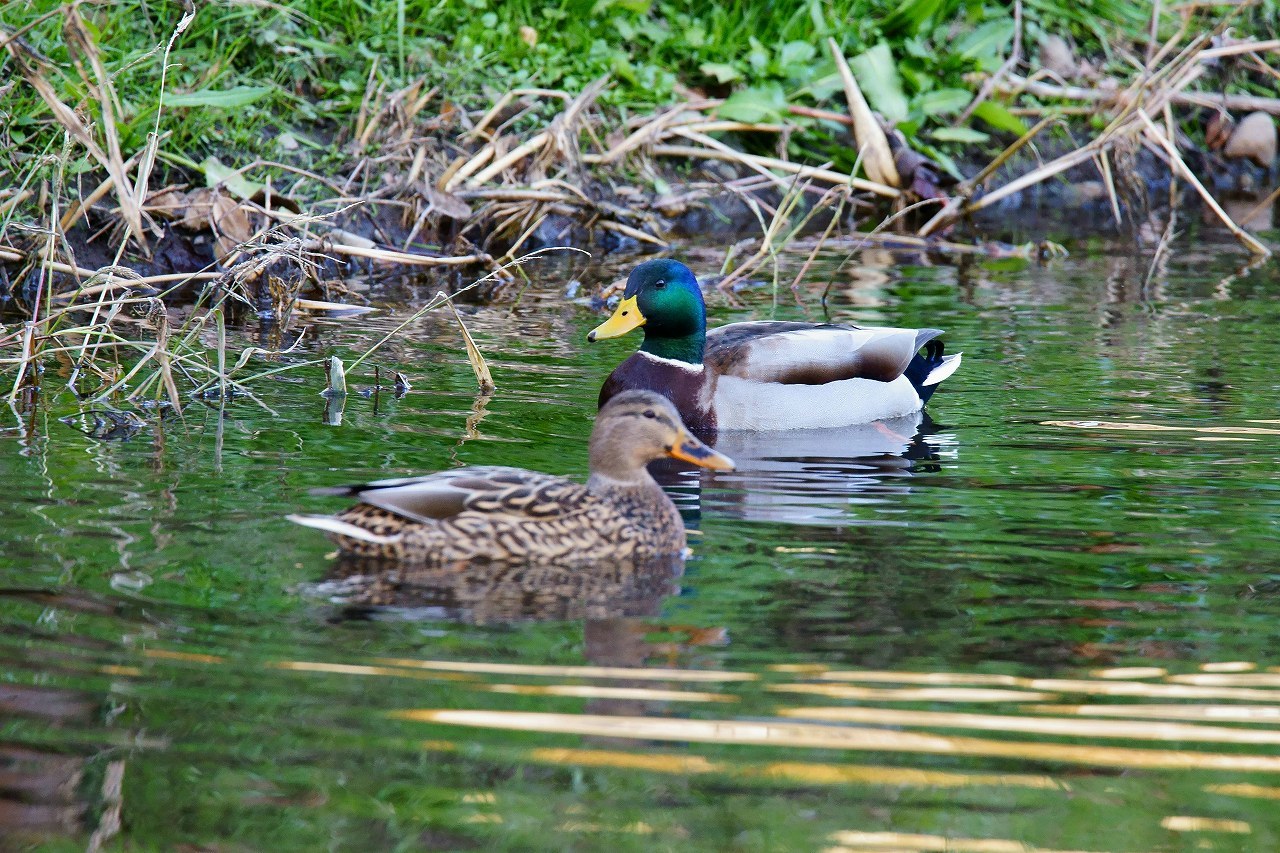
(489,593)
(808,476)
(619,605)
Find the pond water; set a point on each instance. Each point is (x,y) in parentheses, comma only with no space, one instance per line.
(1044,618)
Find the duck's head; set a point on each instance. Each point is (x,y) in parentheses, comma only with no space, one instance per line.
(636,427)
(664,298)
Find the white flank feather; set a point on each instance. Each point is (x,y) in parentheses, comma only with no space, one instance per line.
(746,404)
(329,524)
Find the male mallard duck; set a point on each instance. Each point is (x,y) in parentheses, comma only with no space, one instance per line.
(514,515)
(765,375)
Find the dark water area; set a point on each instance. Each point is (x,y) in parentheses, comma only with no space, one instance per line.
(1042,617)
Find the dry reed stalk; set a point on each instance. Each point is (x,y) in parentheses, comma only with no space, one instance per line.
(960,197)
(27,355)
(873,145)
(634,233)
(478,365)
(755,160)
(1268,46)
(507,98)
(1015,85)
(1178,165)
(508,160)
(362,115)
(820,242)
(160,321)
(566,128)
(517,195)
(769,240)
(649,132)
(1104,166)
(933,244)
(16,198)
(725,126)
(80,42)
(390,256)
(464,170)
(1152,90)
(463,167)
(153,138)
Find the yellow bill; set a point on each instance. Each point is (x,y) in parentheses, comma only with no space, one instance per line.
(625,317)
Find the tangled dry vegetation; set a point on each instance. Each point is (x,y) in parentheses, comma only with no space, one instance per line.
(486,188)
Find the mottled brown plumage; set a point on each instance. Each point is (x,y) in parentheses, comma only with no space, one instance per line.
(513,515)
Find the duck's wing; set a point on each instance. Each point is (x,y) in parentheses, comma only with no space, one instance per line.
(488,490)
(812,353)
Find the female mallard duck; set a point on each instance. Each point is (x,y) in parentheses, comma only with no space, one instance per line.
(765,375)
(514,515)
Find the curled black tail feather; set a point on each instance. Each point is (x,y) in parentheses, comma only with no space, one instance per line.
(920,367)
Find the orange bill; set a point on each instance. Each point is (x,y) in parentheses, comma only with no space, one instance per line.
(689,449)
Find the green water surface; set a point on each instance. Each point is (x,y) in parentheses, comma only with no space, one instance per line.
(176,674)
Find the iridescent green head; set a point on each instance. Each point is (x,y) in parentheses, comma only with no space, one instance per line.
(663,297)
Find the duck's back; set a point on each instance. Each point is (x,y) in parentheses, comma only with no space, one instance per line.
(495,514)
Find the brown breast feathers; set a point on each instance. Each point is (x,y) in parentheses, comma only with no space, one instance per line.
(687,389)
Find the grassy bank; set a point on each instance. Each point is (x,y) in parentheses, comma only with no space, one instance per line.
(243,73)
(296,82)
(231,152)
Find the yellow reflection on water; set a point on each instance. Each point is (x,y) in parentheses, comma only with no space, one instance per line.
(361,669)
(114,669)
(1184,823)
(1236,679)
(655,762)
(1245,789)
(1038,725)
(592,691)
(837,737)
(637,828)
(912,842)
(1194,686)
(1127,672)
(913,694)
(1229,666)
(1138,688)
(619,672)
(812,773)
(991,678)
(1222,713)
(166,654)
(802,668)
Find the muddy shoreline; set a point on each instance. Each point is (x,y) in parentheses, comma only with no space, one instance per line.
(1078,203)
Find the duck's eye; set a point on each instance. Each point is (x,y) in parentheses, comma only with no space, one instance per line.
(650,413)
(660,283)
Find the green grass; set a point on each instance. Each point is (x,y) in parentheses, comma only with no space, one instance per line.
(243,74)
